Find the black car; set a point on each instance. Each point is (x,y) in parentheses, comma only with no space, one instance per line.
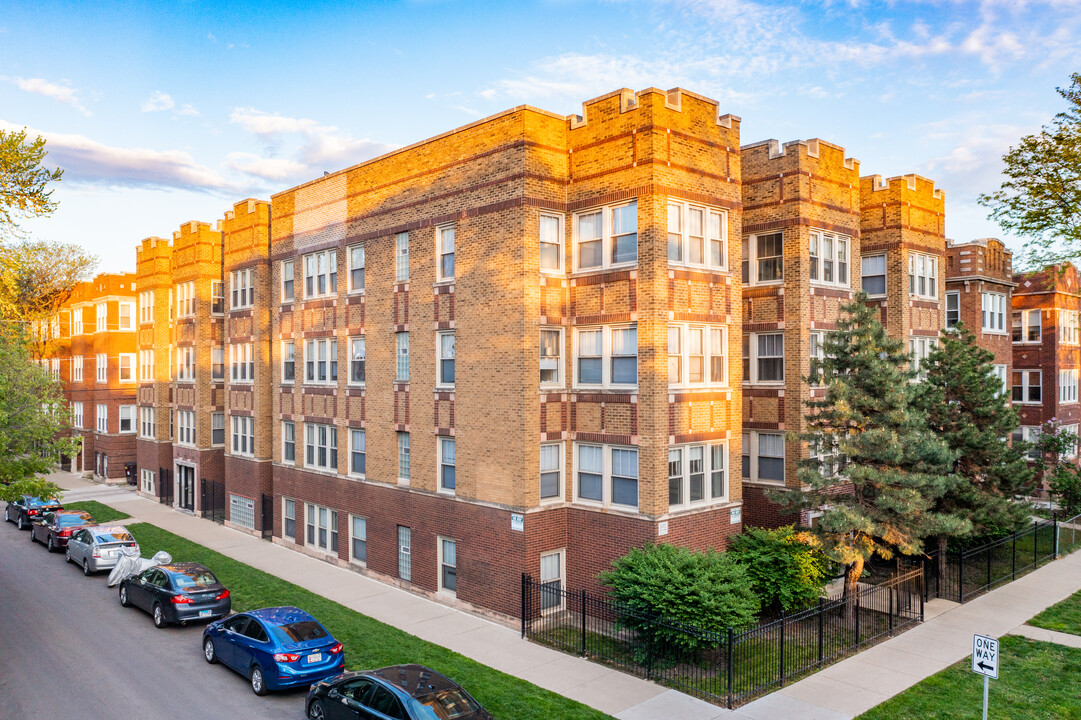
(406,692)
(23,511)
(176,593)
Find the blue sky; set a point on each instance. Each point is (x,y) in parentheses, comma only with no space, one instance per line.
(163,113)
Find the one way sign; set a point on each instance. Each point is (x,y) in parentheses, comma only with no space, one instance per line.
(985,656)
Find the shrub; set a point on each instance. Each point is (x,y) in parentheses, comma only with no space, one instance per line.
(707,590)
(787,569)
(1065,483)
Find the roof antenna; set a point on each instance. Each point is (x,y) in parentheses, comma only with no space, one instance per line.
(325,173)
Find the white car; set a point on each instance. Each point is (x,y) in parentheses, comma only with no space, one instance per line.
(98,548)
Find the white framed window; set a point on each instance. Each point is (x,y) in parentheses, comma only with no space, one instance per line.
(217,297)
(606,475)
(918,350)
(77,368)
(126,414)
(127,315)
(999,371)
(1071,452)
(242,288)
(953,309)
(77,321)
(873,275)
(321,274)
(356,269)
(289,442)
(1067,327)
(358,539)
(763,358)
(322,528)
(241,365)
(448,565)
(148,426)
(101,368)
(357,452)
(288,284)
(551,242)
(697,355)
(401,373)
(697,235)
(77,414)
(606,356)
(289,359)
(1028,434)
(818,356)
(403,456)
(217,363)
(551,357)
(444,248)
(405,553)
(356,360)
(553,580)
(102,315)
(828,258)
(147,480)
(146,365)
(447,481)
(697,474)
(992,312)
(763,259)
(824,451)
(103,418)
(1027,326)
(185,363)
(127,367)
(401,257)
(217,429)
(606,236)
(922,275)
(321,446)
(185,299)
(1027,387)
(321,362)
(185,425)
(55,362)
(445,344)
(289,518)
(243,434)
(1067,386)
(763,456)
(551,472)
(242,511)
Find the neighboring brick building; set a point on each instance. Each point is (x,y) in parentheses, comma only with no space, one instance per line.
(154,270)
(979,292)
(801,229)
(1046,348)
(101,374)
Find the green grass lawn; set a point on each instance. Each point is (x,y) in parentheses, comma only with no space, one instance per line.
(1037,681)
(102,513)
(369,643)
(1064,616)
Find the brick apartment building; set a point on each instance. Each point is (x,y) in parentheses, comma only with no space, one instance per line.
(1046,347)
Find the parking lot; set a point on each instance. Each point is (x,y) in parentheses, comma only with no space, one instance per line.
(69,650)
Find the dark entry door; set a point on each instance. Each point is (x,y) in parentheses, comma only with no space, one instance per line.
(185,476)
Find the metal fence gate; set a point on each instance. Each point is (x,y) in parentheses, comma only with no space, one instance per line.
(212,500)
(266,523)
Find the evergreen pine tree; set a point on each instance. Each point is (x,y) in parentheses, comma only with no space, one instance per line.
(965,406)
(879,499)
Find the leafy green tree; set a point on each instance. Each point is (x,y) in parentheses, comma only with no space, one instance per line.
(23,181)
(708,590)
(894,469)
(1041,195)
(788,569)
(965,406)
(33,420)
(1057,451)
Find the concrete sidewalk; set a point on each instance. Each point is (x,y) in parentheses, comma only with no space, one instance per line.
(843,690)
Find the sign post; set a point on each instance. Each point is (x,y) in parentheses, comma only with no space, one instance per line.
(985,662)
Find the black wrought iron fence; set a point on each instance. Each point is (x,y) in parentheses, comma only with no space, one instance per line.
(266,521)
(165,486)
(728,667)
(212,500)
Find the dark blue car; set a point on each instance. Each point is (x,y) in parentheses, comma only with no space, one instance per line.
(275,648)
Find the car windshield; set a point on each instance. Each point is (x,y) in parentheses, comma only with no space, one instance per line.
(63,520)
(192,578)
(449,704)
(113,537)
(299,631)
(33,501)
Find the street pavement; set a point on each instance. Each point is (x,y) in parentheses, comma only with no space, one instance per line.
(69,650)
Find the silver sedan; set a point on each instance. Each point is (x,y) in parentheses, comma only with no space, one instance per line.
(98,548)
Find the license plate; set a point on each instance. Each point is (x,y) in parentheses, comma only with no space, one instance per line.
(204,613)
(315,657)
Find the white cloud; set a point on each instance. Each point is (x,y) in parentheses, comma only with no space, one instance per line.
(266,168)
(87,161)
(187,110)
(60,93)
(973,165)
(158,101)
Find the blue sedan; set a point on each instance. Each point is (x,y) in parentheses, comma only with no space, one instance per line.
(275,648)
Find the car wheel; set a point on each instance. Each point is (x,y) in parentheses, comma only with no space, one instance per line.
(86,567)
(315,710)
(32,538)
(208,651)
(258,684)
(7,515)
(50,547)
(21,524)
(159,617)
(67,556)
(124,596)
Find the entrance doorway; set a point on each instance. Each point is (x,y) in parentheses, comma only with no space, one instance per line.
(185,485)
